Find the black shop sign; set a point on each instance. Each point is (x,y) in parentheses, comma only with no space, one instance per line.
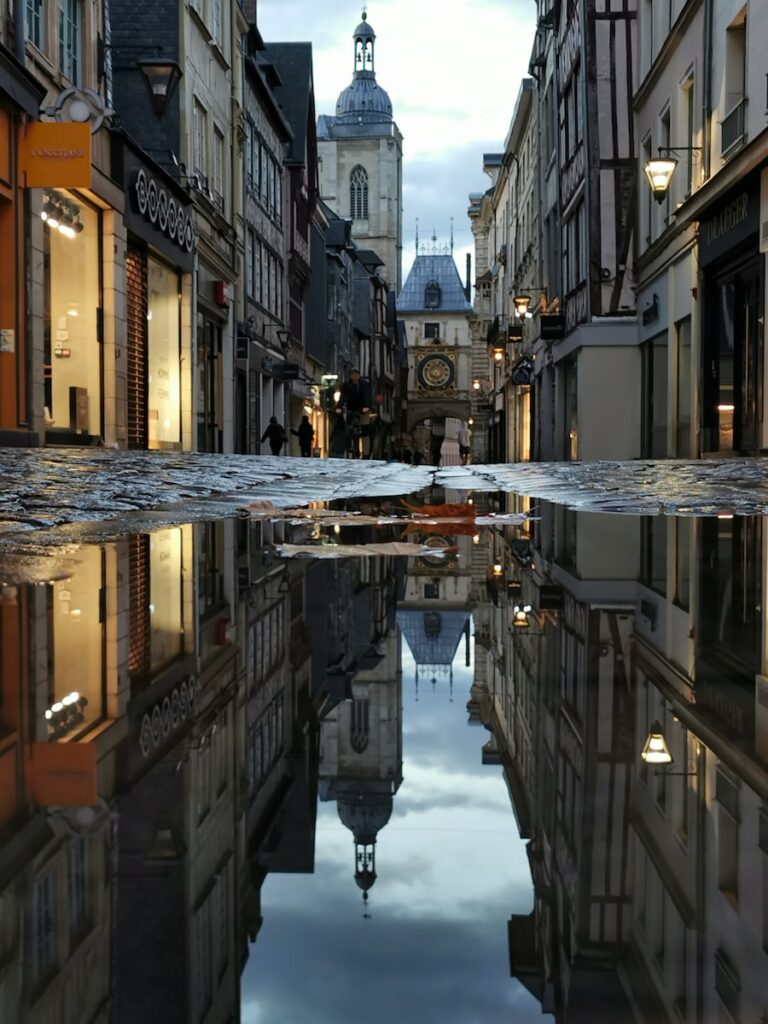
(731,223)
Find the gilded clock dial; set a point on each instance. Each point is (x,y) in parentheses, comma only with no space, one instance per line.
(435,371)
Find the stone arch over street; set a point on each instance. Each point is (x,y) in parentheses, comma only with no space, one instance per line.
(436,409)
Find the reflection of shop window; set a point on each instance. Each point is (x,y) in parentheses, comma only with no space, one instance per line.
(72,259)
(76,646)
(43,935)
(78,889)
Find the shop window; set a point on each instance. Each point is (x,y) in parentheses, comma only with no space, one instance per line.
(683,329)
(73,315)
(654,365)
(163,349)
(70,45)
(75,645)
(35,23)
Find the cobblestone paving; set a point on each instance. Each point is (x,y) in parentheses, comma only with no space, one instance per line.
(70,495)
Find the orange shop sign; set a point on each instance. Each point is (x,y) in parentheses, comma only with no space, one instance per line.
(57,155)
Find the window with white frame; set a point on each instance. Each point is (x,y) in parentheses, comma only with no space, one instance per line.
(688,134)
(200,131)
(35,17)
(70,45)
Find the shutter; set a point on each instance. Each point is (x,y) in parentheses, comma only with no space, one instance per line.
(136,347)
(138,650)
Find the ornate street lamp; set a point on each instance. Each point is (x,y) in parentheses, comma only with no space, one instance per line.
(161,77)
(659,173)
(521,303)
(655,750)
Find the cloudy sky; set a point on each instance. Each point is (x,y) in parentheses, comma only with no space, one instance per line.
(452,70)
(451,870)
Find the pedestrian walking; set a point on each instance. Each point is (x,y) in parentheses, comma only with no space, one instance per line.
(275,434)
(338,442)
(305,434)
(464,437)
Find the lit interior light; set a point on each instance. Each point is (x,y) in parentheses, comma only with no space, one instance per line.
(498,569)
(337,396)
(476,384)
(149,314)
(72,311)
(75,613)
(476,539)
(726,407)
(48,714)
(71,698)
(151,609)
(57,707)
(725,515)
(337,529)
(471,421)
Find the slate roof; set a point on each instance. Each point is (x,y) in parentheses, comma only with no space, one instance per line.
(293,62)
(433,636)
(444,271)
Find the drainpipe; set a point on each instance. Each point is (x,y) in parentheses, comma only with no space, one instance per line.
(19,49)
(706,89)
(468,285)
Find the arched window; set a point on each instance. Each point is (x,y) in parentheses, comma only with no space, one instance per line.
(358,194)
(358,725)
(432,295)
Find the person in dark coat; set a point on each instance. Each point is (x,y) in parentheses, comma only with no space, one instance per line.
(275,433)
(338,442)
(305,434)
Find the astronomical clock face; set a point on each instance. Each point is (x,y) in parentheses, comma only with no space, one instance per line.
(435,372)
(439,543)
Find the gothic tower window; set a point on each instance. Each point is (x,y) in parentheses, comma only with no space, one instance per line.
(358,194)
(432,295)
(358,726)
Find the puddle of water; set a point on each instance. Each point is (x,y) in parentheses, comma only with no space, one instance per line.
(265,768)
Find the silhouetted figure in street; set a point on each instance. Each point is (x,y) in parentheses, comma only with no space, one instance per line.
(339,439)
(305,434)
(275,434)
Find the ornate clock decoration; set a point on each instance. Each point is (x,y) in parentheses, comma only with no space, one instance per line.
(436,372)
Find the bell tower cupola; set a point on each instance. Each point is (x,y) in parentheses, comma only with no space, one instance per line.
(365,41)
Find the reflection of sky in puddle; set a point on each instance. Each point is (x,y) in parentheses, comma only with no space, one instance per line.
(451,869)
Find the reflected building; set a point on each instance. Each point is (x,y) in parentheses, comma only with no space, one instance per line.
(640,875)
(357,682)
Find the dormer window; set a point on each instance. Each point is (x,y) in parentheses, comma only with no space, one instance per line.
(432,295)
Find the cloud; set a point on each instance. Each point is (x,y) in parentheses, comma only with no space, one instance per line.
(381,971)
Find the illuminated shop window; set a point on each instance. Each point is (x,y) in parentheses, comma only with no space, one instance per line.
(163,340)
(72,350)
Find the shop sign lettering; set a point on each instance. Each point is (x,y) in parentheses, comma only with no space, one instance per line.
(161,210)
(735,213)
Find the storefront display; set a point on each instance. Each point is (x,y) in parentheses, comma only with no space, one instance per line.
(73,365)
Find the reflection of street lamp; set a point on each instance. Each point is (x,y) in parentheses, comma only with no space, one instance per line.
(520,618)
(497,570)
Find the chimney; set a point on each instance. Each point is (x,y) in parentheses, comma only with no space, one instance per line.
(468,286)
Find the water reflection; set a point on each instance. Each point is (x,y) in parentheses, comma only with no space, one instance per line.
(202,743)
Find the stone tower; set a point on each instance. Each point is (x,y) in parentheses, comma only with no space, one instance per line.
(361,160)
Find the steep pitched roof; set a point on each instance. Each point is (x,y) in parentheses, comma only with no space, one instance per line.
(293,62)
(440,270)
